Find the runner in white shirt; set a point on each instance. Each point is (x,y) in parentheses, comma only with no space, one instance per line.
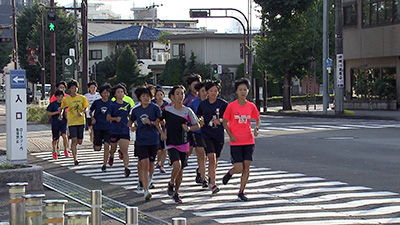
(92,96)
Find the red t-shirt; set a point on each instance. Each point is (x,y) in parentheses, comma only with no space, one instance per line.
(53,98)
(239,121)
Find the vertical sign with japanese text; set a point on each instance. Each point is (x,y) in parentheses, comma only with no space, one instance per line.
(340,70)
(16,117)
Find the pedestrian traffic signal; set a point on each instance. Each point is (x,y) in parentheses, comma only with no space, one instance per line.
(51,20)
(5,40)
(215,69)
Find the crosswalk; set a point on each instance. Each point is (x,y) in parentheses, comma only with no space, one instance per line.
(275,196)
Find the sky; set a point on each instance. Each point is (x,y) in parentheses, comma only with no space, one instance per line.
(179,10)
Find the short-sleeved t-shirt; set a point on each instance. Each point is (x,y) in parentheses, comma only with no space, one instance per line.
(146,134)
(75,104)
(119,110)
(189,98)
(177,137)
(239,121)
(55,122)
(127,99)
(100,108)
(194,106)
(209,112)
(91,98)
(54,98)
(165,103)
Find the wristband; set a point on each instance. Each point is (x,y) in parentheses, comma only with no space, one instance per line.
(188,129)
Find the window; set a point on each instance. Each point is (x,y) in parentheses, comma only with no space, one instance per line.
(380,12)
(350,14)
(142,49)
(178,49)
(95,55)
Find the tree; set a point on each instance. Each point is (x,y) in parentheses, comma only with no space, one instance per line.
(127,68)
(107,68)
(192,64)
(174,71)
(5,52)
(282,50)
(28,28)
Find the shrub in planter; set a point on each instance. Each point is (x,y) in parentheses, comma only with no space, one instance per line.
(37,114)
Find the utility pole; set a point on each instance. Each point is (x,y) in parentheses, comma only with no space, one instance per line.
(42,56)
(339,73)
(85,46)
(15,43)
(77,54)
(325,55)
(52,57)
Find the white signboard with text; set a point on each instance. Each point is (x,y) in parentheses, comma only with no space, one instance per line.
(16,117)
(340,70)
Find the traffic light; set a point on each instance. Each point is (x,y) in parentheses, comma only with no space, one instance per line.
(5,39)
(51,20)
(215,69)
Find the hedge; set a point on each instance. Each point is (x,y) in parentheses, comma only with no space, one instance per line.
(36,114)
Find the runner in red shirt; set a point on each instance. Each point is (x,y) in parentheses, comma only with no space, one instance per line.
(238,114)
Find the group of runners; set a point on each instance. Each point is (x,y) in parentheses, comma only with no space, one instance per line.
(196,119)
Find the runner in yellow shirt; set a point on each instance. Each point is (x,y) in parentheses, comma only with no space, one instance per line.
(76,104)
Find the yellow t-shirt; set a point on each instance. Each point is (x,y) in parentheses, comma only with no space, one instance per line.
(76,109)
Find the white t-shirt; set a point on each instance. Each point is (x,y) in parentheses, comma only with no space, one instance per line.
(91,98)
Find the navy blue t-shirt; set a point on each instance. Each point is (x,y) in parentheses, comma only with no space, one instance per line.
(119,110)
(100,108)
(209,112)
(165,103)
(146,134)
(195,105)
(55,122)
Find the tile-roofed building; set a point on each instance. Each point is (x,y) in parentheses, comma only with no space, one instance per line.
(132,33)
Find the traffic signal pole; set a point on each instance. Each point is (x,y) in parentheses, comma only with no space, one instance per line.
(15,42)
(52,57)
(85,46)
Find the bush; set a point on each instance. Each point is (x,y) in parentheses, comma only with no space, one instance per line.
(36,114)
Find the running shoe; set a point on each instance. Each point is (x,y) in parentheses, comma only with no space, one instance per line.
(242,197)
(55,155)
(127,172)
(120,154)
(157,166)
(205,184)
(198,177)
(66,153)
(170,190)
(177,198)
(226,177)
(147,195)
(151,184)
(58,151)
(162,170)
(214,189)
(104,169)
(76,162)
(111,161)
(140,186)
(94,148)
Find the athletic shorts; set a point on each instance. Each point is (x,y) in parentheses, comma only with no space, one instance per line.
(76,131)
(101,136)
(239,153)
(175,155)
(89,122)
(114,138)
(213,146)
(195,139)
(58,130)
(147,152)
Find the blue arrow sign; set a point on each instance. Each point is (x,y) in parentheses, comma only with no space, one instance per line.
(328,62)
(18,79)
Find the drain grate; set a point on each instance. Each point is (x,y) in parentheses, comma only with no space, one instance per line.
(110,207)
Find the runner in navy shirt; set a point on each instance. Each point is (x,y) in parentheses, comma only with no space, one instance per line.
(58,126)
(192,94)
(119,133)
(212,110)
(101,127)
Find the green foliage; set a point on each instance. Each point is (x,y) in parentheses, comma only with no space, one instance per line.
(108,67)
(5,52)
(127,68)
(375,83)
(28,28)
(37,114)
(174,71)
(192,64)
(161,37)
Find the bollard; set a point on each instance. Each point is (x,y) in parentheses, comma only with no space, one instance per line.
(132,216)
(78,218)
(54,211)
(179,221)
(17,205)
(33,209)
(96,207)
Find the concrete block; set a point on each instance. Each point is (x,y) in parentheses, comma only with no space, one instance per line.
(31,174)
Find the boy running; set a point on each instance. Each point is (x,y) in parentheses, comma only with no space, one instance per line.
(91,96)
(101,127)
(76,104)
(58,126)
(238,115)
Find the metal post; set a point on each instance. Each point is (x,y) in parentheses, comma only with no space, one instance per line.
(15,42)
(52,58)
(42,61)
(339,92)
(54,211)
(96,207)
(85,46)
(77,52)
(325,54)
(17,206)
(78,218)
(33,209)
(132,216)
(179,221)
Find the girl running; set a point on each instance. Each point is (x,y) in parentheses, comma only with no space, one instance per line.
(119,134)
(238,115)
(162,153)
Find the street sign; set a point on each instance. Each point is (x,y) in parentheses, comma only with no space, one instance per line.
(16,117)
(328,62)
(68,67)
(219,69)
(339,70)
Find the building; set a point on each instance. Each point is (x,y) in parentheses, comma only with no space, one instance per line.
(371,34)
(101,11)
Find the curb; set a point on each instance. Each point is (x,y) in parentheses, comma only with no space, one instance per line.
(311,114)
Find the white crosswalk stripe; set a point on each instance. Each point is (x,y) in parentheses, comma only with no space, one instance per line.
(275,197)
